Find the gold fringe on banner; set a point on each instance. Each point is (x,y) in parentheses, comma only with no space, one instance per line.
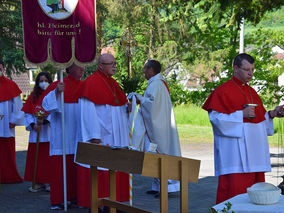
(61,65)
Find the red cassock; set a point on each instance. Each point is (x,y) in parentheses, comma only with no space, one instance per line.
(43,172)
(100,89)
(229,98)
(56,182)
(8,167)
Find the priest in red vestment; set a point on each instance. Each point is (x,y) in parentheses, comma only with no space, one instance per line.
(240,126)
(103,119)
(52,104)
(10,116)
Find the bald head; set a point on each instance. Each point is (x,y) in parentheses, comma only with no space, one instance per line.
(75,71)
(107,64)
(105,57)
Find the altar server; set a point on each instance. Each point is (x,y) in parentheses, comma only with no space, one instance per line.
(37,124)
(10,116)
(103,119)
(241,126)
(52,104)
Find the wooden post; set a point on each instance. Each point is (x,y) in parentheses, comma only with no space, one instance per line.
(112,188)
(164,185)
(94,190)
(36,158)
(183,187)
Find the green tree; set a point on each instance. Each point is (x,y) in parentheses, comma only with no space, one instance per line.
(208,38)
(267,66)
(11,36)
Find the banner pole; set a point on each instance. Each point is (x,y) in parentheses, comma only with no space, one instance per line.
(63,143)
(130,175)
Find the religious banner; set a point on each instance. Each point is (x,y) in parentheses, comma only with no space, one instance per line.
(59,31)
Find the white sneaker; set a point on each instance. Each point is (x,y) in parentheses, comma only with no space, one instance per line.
(47,188)
(31,189)
(56,207)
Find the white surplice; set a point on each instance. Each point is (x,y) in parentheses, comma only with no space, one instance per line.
(44,135)
(155,123)
(10,112)
(240,147)
(53,105)
(105,122)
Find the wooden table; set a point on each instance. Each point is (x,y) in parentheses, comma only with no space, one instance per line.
(147,164)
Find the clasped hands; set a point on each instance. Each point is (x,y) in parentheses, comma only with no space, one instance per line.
(59,88)
(39,122)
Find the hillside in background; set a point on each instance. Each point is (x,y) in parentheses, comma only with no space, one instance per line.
(271,21)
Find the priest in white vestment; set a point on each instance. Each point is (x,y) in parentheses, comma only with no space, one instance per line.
(241,126)
(155,121)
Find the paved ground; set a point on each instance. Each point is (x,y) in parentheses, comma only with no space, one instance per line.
(15,198)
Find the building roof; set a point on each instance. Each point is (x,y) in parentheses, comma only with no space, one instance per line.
(23,82)
(280,56)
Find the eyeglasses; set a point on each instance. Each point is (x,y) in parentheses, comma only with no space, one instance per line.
(246,70)
(110,63)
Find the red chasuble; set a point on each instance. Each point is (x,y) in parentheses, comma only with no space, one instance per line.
(8,89)
(70,89)
(101,89)
(231,96)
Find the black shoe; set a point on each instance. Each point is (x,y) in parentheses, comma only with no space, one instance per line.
(105,209)
(152,192)
(158,195)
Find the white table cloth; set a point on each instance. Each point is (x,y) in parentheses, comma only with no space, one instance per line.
(242,204)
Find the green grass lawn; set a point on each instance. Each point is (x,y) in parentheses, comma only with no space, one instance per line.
(195,134)
(191,114)
(251,30)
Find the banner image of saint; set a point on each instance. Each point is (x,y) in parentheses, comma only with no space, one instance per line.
(58,9)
